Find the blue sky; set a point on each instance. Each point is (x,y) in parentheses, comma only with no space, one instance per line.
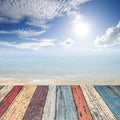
(59,24)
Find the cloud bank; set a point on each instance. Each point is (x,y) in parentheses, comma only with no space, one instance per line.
(30,45)
(24,33)
(38,11)
(111,37)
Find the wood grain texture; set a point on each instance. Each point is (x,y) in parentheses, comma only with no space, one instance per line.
(4,91)
(18,107)
(36,106)
(65,106)
(49,108)
(110,98)
(5,103)
(82,108)
(97,106)
(115,89)
(1,87)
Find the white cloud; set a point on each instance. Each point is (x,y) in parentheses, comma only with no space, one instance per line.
(24,33)
(38,39)
(111,37)
(7,44)
(39,23)
(7,20)
(75,16)
(2,19)
(67,43)
(28,33)
(31,45)
(38,11)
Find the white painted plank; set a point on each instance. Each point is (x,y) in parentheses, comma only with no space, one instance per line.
(49,108)
(97,106)
(4,91)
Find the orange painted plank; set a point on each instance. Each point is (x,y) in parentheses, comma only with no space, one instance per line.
(82,108)
(5,103)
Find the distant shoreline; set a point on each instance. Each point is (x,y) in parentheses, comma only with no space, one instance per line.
(59,82)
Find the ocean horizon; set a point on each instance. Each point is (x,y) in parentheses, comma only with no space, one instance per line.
(102,67)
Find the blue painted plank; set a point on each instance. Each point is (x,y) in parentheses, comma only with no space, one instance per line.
(117,87)
(65,106)
(111,99)
(116,90)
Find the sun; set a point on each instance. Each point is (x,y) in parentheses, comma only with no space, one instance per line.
(81,29)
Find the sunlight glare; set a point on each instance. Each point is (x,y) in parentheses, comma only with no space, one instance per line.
(81,29)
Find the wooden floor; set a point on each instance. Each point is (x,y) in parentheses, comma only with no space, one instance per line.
(60,102)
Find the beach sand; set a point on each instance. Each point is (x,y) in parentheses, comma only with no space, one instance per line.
(59,82)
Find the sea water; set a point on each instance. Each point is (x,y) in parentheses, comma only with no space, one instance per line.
(60,67)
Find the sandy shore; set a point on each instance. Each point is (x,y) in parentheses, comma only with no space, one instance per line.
(59,82)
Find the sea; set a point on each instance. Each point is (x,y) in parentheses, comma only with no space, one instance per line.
(36,66)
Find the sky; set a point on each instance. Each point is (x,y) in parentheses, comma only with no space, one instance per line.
(51,25)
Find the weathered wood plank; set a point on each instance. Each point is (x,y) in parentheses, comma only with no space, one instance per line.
(36,106)
(97,106)
(112,100)
(4,91)
(115,89)
(18,107)
(1,87)
(49,108)
(5,103)
(65,106)
(82,108)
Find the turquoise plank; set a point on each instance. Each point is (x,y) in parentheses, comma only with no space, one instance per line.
(65,106)
(111,99)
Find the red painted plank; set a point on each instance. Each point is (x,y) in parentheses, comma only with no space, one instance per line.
(36,106)
(5,103)
(82,108)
